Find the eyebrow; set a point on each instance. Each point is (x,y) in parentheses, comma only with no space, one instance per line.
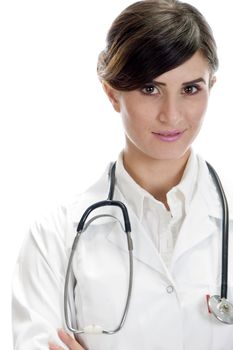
(198,80)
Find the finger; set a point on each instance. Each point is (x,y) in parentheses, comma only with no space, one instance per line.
(55,347)
(69,341)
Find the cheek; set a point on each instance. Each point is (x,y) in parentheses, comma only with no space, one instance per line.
(135,116)
(197,112)
(138,109)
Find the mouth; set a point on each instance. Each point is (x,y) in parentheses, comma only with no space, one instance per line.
(169,135)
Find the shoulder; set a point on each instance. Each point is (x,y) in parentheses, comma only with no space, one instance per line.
(58,226)
(47,234)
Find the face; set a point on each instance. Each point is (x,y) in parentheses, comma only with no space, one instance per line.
(162,119)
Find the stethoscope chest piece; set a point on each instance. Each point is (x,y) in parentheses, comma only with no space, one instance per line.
(221,308)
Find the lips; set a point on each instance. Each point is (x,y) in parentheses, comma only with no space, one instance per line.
(168,135)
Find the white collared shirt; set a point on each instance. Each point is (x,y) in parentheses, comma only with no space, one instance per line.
(162,225)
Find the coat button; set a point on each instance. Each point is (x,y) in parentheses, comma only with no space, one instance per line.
(170,289)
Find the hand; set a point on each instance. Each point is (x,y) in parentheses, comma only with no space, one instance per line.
(71,343)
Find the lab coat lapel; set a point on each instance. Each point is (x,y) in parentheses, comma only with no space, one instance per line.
(81,202)
(144,249)
(204,217)
(197,227)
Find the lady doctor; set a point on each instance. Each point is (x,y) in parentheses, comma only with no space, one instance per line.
(157,70)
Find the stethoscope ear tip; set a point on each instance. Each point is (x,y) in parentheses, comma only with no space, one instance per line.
(221,308)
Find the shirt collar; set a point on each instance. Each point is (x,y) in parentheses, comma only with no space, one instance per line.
(135,194)
(187,185)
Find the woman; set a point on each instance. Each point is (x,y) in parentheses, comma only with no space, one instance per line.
(157,70)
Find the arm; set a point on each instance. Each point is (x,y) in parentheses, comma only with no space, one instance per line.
(38,285)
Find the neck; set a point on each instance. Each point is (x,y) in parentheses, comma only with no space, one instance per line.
(156,176)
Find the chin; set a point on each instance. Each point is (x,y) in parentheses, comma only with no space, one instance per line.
(158,151)
(172,153)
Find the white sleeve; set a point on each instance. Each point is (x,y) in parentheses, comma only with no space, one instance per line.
(38,283)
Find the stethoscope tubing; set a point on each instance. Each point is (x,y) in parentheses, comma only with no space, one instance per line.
(80,229)
(103,204)
(225,231)
(221,308)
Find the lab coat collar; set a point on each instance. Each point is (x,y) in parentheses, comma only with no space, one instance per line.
(96,193)
(143,250)
(206,190)
(194,230)
(207,221)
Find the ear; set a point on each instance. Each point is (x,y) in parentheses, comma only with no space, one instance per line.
(113,95)
(212,81)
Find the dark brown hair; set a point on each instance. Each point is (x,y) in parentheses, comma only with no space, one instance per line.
(151,37)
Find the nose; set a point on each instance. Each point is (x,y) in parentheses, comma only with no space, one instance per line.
(170,111)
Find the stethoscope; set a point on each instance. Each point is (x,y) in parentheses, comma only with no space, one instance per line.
(218,305)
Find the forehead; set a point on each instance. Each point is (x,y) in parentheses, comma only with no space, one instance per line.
(195,67)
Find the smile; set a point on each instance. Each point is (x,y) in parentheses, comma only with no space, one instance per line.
(168,136)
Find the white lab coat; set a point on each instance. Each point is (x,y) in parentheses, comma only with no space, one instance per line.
(168,309)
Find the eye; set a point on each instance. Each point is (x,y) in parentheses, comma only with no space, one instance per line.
(191,89)
(150,89)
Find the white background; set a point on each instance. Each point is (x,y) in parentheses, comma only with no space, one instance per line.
(57,129)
